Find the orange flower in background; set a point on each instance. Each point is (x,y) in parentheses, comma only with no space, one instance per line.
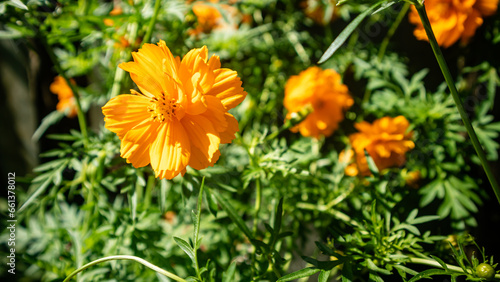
(452,20)
(386,140)
(324,91)
(210,18)
(64,93)
(115,12)
(181,117)
(320,12)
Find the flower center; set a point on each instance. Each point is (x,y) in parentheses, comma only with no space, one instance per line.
(162,109)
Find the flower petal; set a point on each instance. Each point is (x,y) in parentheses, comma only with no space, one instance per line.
(124,112)
(228,135)
(170,151)
(202,135)
(227,87)
(137,142)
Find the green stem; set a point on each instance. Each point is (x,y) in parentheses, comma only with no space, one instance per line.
(454,93)
(152,22)
(124,257)
(392,30)
(258,204)
(437,264)
(197,230)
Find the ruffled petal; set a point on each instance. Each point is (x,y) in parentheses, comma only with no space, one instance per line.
(216,113)
(170,151)
(199,161)
(232,127)
(124,112)
(227,87)
(202,135)
(137,142)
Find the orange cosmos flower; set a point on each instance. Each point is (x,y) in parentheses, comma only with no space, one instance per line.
(181,117)
(209,17)
(64,93)
(452,20)
(323,90)
(386,141)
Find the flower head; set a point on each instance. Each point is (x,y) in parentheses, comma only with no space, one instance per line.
(181,115)
(452,20)
(64,93)
(386,140)
(209,17)
(323,90)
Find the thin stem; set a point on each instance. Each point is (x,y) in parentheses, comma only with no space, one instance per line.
(197,230)
(258,203)
(454,93)
(152,22)
(392,30)
(125,257)
(437,264)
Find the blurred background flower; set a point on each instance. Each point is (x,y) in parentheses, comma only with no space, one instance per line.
(386,140)
(64,93)
(324,91)
(453,20)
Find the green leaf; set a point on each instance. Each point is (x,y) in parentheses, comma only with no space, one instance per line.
(372,266)
(405,269)
(184,245)
(347,32)
(371,164)
(35,194)
(324,275)
(277,217)
(347,274)
(211,202)
(231,212)
(306,272)
(50,119)
(408,227)
(228,275)
(440,261)
(428,273)
(18,4)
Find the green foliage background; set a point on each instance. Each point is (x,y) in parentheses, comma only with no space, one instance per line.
(83,202)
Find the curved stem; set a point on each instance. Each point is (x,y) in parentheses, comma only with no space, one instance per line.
(125,257)
(437,264)
(454,93)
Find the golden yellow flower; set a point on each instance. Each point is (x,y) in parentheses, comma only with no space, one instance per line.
(452,20)
(64,93)
(181,117)
(324,91)
(386,140)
